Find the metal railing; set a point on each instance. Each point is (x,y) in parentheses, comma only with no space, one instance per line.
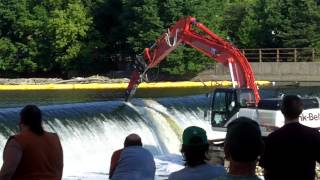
(281,54)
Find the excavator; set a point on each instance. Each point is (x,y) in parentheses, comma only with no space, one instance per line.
(242,99)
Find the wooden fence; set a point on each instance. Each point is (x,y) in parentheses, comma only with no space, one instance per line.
(281,55)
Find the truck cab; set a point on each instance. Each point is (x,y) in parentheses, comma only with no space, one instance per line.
(229,103)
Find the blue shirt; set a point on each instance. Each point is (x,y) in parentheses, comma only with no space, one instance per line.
(135,163)
(203,172)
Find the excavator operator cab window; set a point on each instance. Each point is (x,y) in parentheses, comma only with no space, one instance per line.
(246,98)
(223,107)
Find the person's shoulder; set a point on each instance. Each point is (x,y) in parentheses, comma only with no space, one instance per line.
(20,137)
(12,142)
(284,130)
(146,151)
(217,168)
(225,177)
(137,150)
(118,151)
(20,134)
(310,129)
(230,177)
(178,174)
(309,132)
(52,135)
(275,134)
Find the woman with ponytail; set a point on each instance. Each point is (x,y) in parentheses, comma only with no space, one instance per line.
(33,153)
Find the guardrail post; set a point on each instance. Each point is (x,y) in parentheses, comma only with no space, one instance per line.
(295,55)
(313,54)
(278,55)
(260,55)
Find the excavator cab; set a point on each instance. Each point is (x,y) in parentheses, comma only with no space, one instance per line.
(228,104)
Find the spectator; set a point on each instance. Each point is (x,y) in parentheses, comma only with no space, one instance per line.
(33,153)
(243,145)
(194,149)
(291,151)
(131,140)
(135,162)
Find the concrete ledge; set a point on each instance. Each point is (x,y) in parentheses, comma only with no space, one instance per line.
(271,71)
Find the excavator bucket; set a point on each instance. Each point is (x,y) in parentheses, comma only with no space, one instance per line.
(140,69)
(133,84)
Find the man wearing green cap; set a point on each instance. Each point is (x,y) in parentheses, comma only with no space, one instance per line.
(194,149)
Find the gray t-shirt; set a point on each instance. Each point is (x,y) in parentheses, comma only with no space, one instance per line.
(203,172)
(135,163)
(231,177)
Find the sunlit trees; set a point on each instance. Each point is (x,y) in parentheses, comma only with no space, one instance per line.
(41,37)
(93,36)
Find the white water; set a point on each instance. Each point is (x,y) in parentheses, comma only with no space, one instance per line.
(90,132)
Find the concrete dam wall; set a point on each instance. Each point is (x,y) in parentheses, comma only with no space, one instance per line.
(270,71)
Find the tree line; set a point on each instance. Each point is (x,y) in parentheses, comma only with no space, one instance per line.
(53,37)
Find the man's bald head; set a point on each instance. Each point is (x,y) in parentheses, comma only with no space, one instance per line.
(132,140)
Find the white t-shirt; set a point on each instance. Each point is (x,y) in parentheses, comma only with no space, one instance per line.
(203,172)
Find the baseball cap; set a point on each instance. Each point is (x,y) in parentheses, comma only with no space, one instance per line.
(194,135)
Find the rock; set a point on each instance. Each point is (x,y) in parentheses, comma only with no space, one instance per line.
(74,80)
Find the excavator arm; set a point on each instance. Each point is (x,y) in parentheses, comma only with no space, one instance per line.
(189,31)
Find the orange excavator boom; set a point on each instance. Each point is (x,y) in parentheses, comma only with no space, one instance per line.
(195,34)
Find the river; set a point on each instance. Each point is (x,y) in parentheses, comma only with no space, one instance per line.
(92,124)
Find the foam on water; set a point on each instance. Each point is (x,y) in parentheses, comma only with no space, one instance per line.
(91,132)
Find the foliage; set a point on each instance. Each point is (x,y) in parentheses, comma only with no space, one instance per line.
(41,37)
(187,60)
(52,37)
(141,22)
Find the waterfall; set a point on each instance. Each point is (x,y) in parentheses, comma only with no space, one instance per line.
(90,132)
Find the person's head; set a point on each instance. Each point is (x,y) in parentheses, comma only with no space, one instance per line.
(194,146)
(243,143)
(291,107)
(132,140)
(31,117)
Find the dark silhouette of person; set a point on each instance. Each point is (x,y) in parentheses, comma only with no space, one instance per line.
(33,153)
(243,145)
(291,151)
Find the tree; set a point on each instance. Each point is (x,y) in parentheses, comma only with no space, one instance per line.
(141,23)
(186,60)
(258,27)
(280,23)
(300,23)
(234,15)
(66,28)
(41,37)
